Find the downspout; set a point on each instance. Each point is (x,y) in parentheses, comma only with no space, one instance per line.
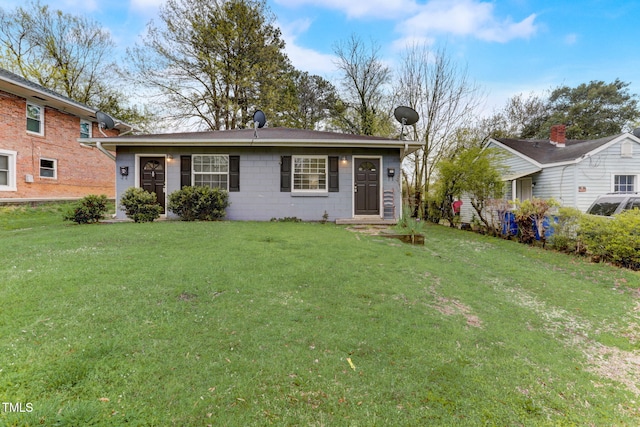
(104,150)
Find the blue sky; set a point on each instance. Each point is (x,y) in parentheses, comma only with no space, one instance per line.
(508,46)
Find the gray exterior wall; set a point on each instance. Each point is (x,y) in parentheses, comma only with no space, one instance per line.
(260,197)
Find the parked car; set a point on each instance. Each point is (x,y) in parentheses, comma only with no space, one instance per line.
(612,204)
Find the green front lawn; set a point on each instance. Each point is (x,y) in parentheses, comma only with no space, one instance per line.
(241,323)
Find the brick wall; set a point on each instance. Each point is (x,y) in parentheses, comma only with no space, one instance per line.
(80,170)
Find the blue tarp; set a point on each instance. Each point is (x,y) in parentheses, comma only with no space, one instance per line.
(510,227)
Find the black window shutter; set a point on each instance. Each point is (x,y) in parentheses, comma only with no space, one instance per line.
(234,173)
(333,174)
(285,173)
(185,171)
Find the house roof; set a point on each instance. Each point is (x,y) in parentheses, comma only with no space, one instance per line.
(542,152)
(17,85)
(265,137)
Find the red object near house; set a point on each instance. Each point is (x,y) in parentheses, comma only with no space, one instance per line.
(456,206)
(41,156)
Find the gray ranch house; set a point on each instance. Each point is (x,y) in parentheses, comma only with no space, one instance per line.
(269,172)
(574,172)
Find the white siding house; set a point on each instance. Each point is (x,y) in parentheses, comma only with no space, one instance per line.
(574,172)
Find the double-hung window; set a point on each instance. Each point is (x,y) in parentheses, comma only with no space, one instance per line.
(35,119)
(85,129)
(48,168)
(7,170)
(624,183)
(211,170)
(310,173)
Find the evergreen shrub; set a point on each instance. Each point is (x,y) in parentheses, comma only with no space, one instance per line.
(193,203)
(140,205)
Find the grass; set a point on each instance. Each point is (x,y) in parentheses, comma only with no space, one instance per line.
(241,323)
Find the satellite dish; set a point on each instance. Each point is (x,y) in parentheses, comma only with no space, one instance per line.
(104,120)
(259,120)
(636,132)
(407,116)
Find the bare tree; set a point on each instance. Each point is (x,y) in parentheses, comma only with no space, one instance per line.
(444,97)
(65,53)
(68,54)
(364,77)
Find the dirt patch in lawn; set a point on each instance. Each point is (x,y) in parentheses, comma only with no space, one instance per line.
(618,365)
(451,306)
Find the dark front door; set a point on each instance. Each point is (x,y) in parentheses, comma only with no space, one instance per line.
(152,176)
(367,186)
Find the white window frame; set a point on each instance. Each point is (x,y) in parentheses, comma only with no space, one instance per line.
(40,118)
(89,127)
(614,185)
(54,168)
(11,171)
(294,173)
(195,173)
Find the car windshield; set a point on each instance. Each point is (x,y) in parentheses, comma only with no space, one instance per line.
(605,207)
(633,203)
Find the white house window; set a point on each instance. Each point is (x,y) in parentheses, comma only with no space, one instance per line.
(35,119)
(7,170)
(624,183)
(48,168)
(310,173)
(211,170)
(85,129)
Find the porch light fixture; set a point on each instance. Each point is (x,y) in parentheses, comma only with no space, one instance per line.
(169,157)
(343,159)
(391,172)
(124,170)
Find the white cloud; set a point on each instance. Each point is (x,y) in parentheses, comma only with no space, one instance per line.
(302,58)
(475,18)
(466,18)
(147,6)
(359,8)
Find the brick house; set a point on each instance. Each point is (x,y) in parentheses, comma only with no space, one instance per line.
(41,157)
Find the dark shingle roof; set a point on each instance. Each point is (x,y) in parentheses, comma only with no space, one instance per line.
(543,152)
(275,133)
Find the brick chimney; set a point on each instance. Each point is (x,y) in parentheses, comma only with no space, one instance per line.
(558,135)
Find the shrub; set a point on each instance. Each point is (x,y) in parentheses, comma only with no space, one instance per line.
(140,205)
(90,209)
(565,230)
(199,203)
(616,239)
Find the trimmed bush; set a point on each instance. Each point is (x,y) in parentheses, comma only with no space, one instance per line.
(199,203)
(90,209)
(140,205)
(616,240)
